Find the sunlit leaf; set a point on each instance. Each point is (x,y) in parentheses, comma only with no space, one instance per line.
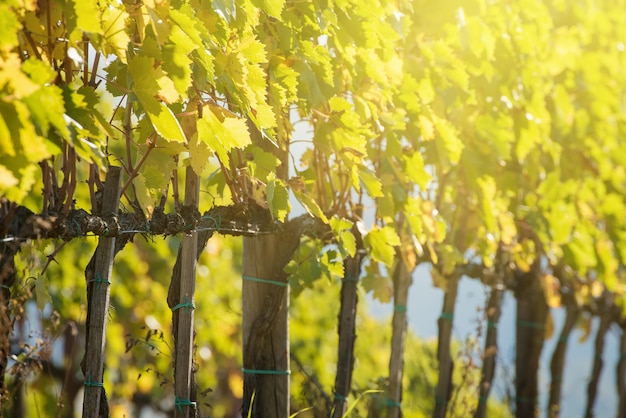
(277,198)
(382,243)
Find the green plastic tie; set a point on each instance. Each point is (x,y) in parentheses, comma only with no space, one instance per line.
(187,305)
(563,339)
(77,225)
(531,324)
(390,402)
(90,384)
(180,402)
(482,399)
(217,222)
(492,324)
(622,357)
(99,280)
(4,286)
(351,279)
(267,372)
(438,400)
(339,397)
(447,315)
(400,308)
(525,399)
(148,230)
(256,279)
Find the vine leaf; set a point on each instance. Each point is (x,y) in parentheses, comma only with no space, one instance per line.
(277,198)
(42,294)
(310,205)
(146,87)
(199,154)
(381,242)
(371,182)
(224,136)
(271,7)
(380,285)
(342,229)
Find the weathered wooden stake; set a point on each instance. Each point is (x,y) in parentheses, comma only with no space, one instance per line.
(402,281)
(532,312)
(184,405)
(592,386)
(491,349)
(265,327)
(347,334)
(557,363)
(621,376)
(98,303)
(446,364)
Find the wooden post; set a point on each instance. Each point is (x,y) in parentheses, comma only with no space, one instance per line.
(446,364)
(598,362)
(621,376)
(185,308)
(7,279)
(402,281)
(347,334)
(557,364)
(98,302)
(491,349)
(532,312)
(265,327)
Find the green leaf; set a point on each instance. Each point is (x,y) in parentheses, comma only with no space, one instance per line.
(415,170)
(371,182)
(146,87)
(87,16)
(381,242)
(380,285)
(166,124)
(450,145)
(224,136)
(47,108)
(271,7)
(310,205)
(6,140)
(342,230)
(42,294)
(7,179)
(199,154)
(277,198)
(114,30)
(10,25)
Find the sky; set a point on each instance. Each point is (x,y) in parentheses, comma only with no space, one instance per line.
(424,308)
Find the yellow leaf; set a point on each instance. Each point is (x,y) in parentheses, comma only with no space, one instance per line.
(235,383)
(596,289)
(439,280)
(552,291)
(167,90)
(427,128)
(7,179)
(508,230)
(199,154)
(585,327)
(549,330)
